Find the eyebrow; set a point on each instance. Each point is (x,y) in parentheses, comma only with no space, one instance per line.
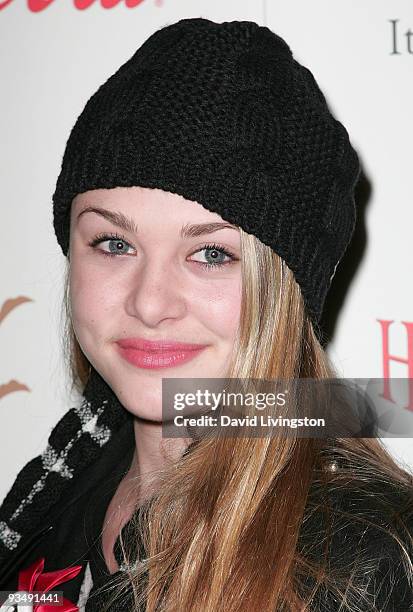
(128,224)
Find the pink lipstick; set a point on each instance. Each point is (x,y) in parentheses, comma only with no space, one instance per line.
(157,354)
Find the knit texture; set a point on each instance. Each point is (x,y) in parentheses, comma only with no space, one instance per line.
(222,114)
(76,441)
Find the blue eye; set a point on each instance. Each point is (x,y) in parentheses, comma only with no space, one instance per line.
(215,253)
(117,241)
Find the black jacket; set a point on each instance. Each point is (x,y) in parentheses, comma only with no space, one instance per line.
(56,507)
(68,535)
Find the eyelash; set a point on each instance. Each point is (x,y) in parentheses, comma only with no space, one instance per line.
(212,246)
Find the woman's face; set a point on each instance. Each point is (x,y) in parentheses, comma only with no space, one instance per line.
(164,276)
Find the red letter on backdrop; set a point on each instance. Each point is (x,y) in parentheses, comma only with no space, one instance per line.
(4,4)
(38,5)
(106,4)
(387,357)
(35,6)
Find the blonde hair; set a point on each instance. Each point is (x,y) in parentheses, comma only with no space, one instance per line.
(227,513)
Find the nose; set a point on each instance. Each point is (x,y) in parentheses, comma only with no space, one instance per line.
(156,293)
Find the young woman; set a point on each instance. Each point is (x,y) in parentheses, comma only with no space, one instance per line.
(205,199)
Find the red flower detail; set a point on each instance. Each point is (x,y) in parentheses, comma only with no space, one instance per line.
(32,579)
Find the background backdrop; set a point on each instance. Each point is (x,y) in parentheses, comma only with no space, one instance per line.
(54,55)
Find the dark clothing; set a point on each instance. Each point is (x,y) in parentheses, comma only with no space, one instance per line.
(67,532)
(95,511)
(76,523)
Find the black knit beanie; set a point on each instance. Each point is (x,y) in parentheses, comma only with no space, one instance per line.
(221,113)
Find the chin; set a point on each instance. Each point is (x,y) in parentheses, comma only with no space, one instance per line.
(143,415)
(146,405)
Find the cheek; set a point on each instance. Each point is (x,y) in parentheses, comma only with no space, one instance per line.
(92,300)
(219,308)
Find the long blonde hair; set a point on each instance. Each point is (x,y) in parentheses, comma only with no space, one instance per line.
(221,532)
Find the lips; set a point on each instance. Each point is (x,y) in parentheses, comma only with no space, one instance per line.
(157,354)
(158,345)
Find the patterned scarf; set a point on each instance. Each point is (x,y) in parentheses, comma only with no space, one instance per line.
(75,442)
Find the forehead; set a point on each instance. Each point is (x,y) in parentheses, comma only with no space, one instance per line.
(134,199)
(129,207)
